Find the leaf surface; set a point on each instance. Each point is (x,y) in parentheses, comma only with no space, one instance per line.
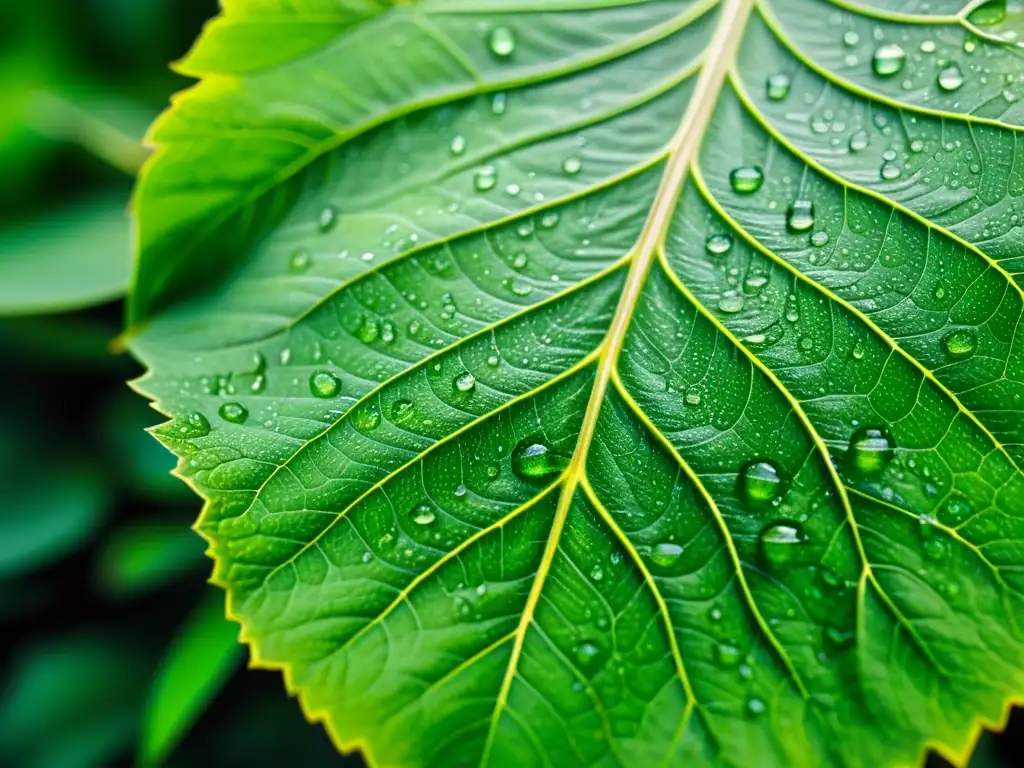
(604,382)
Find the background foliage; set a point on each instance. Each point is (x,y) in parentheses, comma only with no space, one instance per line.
(113,646)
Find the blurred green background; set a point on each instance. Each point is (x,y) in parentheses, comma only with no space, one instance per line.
(114,649)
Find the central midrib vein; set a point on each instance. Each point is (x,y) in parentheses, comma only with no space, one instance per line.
(717,59)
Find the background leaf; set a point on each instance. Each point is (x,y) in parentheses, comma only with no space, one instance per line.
(201,659)
(633,383)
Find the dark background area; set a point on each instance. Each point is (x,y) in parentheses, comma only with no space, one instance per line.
(99,569)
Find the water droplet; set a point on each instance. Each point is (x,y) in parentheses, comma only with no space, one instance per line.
(858,141)
(746,179)
(194,425)
(941,290)
(549,220)
(850,38)
(498,103)
(889,171)
(485,178)
(692,396)
(368,330)
(532,460)
(422,514)
(838,639)
(777,87)
(731,304)
(324,384)
(402,411)
(299,261)
(871,450)
(888,60)
(780,543)
(755,706)
(728,655)
(367,417)
(955,511)
(493,471)
(328,218)
(960,344)
(718,244)
(572,166)
(800,216)
(819,239)
(992,12)
(465,382)
(666,554)
(760,482)
(458,145)
(502,42)
(596,574)
(461,490)
(236,413)
(586,652)
(950,78)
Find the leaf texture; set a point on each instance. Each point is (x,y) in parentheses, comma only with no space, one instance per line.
(597,382)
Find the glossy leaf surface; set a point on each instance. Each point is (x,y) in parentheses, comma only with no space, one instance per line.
(604,382)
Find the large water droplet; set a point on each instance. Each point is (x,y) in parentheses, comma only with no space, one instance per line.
(485,178)
(422,514)
(950,78)
(871,450)
(465,382)
(718,244)
(666,554)
(992,12)
(777,87)
(746,179)
(858,141)
(960,344)
(888,60)
(402,411)
(366,417)
(800,216)
(759,482)
(236,413)
(324,384)
(731,304)
(780,543)
(502,42)
(533,460)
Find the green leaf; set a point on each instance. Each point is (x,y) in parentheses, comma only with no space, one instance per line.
(145,556)
(70,703)
(198,664)
(594,382)
(67,260)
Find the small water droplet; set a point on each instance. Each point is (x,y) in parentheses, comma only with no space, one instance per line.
(755,706)
(800,216)
(327,219)
(572,166)
(502,42)
(236,413)
(299,261)
(586,652)
(550,220)
(888,60)
(759,482)
(850,38)
(460,490)
(718,244)
(960,344)
(422,514)
(692,396)
(533,460)
(728,655)
(194,425)
(777,87)
(666,554)
(889,171)
(596,574)
(324,384)
(746,179)
(493,471)
(458,145)
(819,239)
(955,511)
(871,450)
